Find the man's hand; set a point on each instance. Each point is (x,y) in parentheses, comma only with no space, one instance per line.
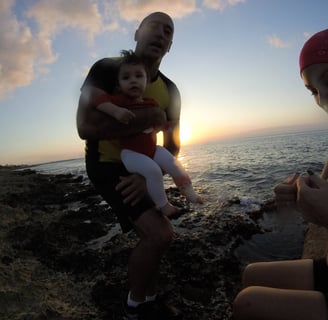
(133,188)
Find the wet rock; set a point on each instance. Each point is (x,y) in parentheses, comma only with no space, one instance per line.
(50,270)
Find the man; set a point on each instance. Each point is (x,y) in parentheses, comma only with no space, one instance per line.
(126,193)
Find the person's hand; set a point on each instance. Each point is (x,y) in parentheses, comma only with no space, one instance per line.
(312,199)
(133,188)
(286,192)
(124,115)
(324,173)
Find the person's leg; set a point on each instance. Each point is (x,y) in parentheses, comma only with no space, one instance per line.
(174,168)
(139,163)
(265,303)
(154,229)
(293,274)
(156,233)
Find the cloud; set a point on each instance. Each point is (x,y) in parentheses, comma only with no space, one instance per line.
(17,51)
(26,39)
(26,43)
(131,10)
(307,34)
(221,4)
(276,42)
(53,16)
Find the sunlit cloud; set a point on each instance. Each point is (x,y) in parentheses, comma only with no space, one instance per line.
(131,10)
(19,51)
(221,4)
(276,42)
(55,16)
(27,50)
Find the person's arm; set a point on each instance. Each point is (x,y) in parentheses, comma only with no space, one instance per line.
(93,125)
(121,114)
(171,137)
(171,133)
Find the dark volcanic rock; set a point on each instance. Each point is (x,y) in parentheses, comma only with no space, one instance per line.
(63,255)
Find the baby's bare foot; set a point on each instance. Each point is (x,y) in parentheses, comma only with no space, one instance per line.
(169,210)
(188,191)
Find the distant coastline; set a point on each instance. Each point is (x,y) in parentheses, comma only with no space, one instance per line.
(265,132)
(286,130)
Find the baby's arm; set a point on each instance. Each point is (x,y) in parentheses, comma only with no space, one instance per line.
(121,114)
(93,125)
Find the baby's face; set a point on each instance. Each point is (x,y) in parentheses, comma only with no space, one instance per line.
(132,79)
(315,79)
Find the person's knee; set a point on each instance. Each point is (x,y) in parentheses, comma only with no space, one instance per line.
(250,274)
(155,171)
(244,302)
(239,305)
(160,235)
(154,229)
(163,237)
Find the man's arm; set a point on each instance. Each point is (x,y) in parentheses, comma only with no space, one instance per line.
(95,125)
(171,137)
(171,134)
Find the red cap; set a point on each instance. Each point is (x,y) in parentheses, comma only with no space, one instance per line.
(315,50)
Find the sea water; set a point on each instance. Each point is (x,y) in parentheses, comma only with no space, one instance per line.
(245,169)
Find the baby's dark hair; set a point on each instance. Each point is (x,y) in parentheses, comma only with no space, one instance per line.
(129,57)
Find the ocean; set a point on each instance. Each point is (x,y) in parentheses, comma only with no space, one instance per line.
(245,169)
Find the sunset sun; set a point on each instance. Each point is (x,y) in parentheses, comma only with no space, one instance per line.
(185,132)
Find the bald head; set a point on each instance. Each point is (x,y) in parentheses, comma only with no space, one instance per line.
(154,37)
(158,15)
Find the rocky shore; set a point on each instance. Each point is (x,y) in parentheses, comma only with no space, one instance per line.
(63,256)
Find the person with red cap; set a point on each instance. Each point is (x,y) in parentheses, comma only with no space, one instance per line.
(295,289)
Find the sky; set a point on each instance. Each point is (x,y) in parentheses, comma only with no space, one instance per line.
(235,63)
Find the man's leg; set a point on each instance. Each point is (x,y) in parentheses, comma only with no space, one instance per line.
(156,233)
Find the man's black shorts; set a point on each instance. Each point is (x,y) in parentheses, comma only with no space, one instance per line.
(105,176)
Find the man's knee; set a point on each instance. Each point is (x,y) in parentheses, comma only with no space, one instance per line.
(162,237)
(154,228)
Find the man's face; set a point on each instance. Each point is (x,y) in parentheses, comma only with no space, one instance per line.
(154,36)
(315,78)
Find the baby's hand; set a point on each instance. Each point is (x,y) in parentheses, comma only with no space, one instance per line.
(124,115)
